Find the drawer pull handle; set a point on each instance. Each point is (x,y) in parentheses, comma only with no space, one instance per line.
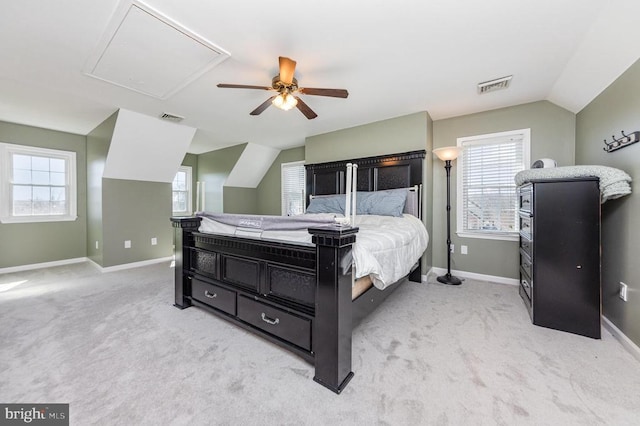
(210,295)
(268,320)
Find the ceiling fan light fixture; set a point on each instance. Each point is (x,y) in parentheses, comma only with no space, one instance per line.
(286,88)
(285,101)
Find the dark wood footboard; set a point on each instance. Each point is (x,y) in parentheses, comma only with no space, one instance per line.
(295,295)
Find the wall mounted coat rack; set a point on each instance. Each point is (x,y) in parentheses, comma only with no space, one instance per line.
(621,142)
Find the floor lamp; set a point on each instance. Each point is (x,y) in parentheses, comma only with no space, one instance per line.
(448,154)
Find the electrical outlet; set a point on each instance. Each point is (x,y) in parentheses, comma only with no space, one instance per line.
(154,241)
(463,249)
(97,246)
(127,244)
(623,291)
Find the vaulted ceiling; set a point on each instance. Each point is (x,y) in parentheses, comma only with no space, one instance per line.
(394,58)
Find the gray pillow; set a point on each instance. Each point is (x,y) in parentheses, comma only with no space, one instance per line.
(389,202)
(327,204)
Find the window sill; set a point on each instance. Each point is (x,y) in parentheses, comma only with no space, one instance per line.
(487,236)
(38,219)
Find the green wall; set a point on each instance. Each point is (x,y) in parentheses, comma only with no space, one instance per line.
(401,134)
(213,169)
(269,190)
(617,108)
(98,141)
(122,210)
(240,200)
(552,136)
(136,211)
(30,243)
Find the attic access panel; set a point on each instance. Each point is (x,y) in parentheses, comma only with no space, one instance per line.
(145,51)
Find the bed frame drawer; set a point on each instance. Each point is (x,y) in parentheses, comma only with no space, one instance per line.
(213,295)
(289,327)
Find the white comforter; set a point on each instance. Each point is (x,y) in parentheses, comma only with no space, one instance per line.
(386,247)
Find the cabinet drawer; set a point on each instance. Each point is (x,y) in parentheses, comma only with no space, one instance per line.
(526,226)
(213,295)
(526,283)
(525,245)
(526,264)
(526,200)
(289,327)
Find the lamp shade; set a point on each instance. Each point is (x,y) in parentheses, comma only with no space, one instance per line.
(285,101)
(447,153)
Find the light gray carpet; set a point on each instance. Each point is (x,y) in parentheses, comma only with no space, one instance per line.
(113,346)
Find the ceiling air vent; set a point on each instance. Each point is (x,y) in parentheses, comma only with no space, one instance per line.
(171,117)
(493,85)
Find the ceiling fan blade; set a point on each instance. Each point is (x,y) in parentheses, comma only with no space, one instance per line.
(335,93)
(262,106)
(243,86)
(287,68)
(304,108)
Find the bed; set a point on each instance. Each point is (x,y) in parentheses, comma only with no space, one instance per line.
(299,294)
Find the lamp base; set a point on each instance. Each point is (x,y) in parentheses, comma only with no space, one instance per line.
(449,279)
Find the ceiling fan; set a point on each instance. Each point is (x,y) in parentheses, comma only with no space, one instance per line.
(287,87)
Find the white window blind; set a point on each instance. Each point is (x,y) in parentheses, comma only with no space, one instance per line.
(293,188)
(37,184)
(487,204)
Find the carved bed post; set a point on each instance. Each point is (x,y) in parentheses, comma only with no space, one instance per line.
(332,323)
(183,227)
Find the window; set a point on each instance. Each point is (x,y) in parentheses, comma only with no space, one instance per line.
(487,205)
(293,183)
(181,188)
(37,184)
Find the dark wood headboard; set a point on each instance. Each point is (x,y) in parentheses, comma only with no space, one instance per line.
(374,173)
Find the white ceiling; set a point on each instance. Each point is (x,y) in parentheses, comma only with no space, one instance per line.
(394,57)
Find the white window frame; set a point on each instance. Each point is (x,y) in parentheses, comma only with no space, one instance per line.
(525,134)
(283,200)
(189,191)
(6,183)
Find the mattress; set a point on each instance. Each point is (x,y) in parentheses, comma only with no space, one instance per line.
(385,250)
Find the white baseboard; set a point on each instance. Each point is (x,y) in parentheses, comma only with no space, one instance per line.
(474,276)
(130,265)
(32,266)
(627,343)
